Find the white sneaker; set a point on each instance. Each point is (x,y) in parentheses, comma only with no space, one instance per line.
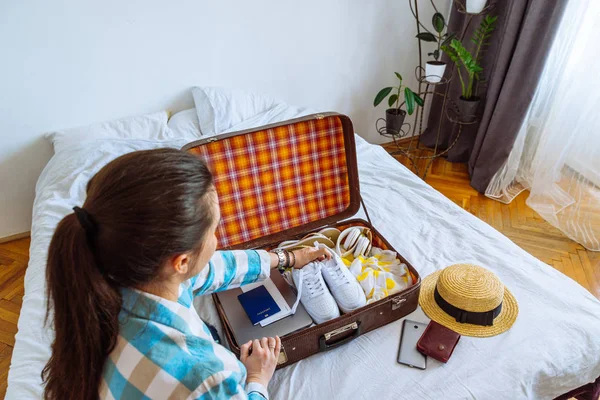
(343,285)
(314,295)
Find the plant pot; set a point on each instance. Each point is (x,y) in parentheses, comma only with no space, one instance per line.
(475,6)
(394,118)
(468,108)
(434,71)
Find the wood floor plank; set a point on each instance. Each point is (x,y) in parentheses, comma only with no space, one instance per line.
(535,251)
(474,209)
(591,270)
(13,284)
(8,331)
(5,355)
(482,212)
(520,203)
(9,311)
(497,215)
(559,266)
(5,352)
(553,247)
(17,299)
(20,246)
(506,222)
(17,290)
(13,255)
(13,264)
(528,211)
(9,270)
(5,261)
(571,272)
(594,287)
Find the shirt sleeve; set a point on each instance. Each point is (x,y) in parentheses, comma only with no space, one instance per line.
(224,385)
(231,269)
(257,391)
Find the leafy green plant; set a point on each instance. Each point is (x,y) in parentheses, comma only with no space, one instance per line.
(471,62)
(439,24)
(481,37)
(410,98)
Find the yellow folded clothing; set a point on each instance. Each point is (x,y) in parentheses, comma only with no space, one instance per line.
(380,275)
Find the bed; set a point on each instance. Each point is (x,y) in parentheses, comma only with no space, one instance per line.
(553,347)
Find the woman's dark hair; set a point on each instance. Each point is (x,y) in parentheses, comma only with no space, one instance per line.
(141,209)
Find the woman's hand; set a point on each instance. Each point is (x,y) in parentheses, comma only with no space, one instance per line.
(261,362)
(308,254)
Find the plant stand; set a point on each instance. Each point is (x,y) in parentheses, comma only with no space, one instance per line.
(413,152)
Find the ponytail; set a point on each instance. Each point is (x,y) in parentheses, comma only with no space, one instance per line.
(141,209)
(86,309)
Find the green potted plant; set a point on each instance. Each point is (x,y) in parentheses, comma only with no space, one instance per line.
(394,116)
(434,70)
(469,63)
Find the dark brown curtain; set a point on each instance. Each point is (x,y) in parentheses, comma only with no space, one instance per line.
(512,66)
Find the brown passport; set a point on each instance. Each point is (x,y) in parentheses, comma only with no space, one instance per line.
(438,342)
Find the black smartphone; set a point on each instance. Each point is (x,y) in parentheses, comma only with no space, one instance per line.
(407,352)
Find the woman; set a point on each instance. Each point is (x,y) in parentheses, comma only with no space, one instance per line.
(122,273)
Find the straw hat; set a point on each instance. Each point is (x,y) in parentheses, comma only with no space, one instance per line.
(469,300)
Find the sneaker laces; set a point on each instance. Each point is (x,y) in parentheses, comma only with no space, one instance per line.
(338,275)
(334,266)
(311,280)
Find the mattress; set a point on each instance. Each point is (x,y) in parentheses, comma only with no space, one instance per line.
(553,347)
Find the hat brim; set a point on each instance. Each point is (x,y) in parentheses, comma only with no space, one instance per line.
(502,322)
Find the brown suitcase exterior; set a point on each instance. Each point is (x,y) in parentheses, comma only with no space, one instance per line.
(321,148)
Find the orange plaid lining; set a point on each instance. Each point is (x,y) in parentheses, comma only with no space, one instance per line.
(272,180)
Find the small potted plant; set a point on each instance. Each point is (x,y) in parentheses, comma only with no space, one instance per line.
(464,60)
(475,6)
(434,70)
(394,116)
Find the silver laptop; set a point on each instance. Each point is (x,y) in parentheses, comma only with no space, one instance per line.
(242,327)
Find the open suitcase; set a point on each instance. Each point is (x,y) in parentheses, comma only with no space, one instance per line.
(281,181)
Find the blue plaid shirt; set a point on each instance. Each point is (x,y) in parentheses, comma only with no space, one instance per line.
(164,349)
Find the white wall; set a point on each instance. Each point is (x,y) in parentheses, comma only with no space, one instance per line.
(74,62)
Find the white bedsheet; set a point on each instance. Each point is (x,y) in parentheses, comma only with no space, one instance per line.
(553,347)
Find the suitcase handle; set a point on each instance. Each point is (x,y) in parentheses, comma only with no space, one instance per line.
(323,345)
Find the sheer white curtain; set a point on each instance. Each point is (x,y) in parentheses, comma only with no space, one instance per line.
(557,152)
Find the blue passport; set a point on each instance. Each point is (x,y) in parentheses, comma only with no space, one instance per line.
(258,304)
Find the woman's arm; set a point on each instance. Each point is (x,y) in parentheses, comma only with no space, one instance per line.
(231,269)
(225,385)
(234,268)
(274,260)
(300,257)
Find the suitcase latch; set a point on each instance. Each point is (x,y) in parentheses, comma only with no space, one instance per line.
(319,116)
(397,302)
(343,329)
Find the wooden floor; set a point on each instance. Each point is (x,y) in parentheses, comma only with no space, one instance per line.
(517,221)
(13,262)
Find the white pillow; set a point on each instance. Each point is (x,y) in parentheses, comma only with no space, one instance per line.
(220,109)
(185,124)
(150,127)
